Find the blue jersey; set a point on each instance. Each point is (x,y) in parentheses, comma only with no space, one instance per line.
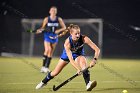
(77,49)
(52,25)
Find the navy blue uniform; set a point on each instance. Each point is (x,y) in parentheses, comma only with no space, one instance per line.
(52,25)
(76,49)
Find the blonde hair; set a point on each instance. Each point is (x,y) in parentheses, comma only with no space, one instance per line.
(69,29)
(72,26)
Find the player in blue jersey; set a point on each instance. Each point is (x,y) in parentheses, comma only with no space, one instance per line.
(74,53)
(52,23)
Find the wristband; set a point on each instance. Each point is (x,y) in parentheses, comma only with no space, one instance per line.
(95,59)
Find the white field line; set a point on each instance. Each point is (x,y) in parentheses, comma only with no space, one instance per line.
(70,82)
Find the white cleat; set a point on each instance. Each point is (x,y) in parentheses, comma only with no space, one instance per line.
(40,85)
(44,70)
(91,85)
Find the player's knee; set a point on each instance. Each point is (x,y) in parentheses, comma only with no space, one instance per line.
(46,51)
(49,49)
(50,53)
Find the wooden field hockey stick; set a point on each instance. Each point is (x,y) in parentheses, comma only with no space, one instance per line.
(55,88)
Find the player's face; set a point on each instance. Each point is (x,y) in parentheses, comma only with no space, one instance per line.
(75,34)
(53,11)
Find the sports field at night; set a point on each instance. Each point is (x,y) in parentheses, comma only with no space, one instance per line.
(22,74)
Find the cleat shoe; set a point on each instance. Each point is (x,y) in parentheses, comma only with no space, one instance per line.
(91,85)
(42,69)
(46,70)
(40,85)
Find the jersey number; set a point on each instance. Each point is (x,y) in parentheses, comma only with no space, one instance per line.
(53,29)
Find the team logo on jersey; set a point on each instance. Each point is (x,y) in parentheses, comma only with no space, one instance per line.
(76,48)
(53,24)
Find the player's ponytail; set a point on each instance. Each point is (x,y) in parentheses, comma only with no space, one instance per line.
(66,30)
(69,29)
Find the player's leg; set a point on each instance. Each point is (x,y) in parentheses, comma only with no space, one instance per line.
(50,53)
(45,56)
(81,60)
(61,64)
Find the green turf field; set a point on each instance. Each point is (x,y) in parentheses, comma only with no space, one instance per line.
(21,75)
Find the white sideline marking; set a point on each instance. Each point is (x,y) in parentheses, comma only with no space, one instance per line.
(70,82)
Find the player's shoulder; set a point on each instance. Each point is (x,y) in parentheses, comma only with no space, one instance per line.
(67,42)
(46,18)
(84,38)
(59,18)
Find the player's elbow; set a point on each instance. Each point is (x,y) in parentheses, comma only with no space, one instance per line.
(97,50)
(64,27)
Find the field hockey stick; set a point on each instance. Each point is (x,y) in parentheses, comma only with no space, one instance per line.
(60,35)
(55,88)
(35,31)
(63,32)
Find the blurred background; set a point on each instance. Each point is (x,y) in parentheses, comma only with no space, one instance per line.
(120,21)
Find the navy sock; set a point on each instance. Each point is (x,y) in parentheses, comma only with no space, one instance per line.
(47,78)
(48,61)
(86,75)
(44,59)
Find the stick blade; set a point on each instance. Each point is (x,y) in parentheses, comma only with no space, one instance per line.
(54,89)
(31,31)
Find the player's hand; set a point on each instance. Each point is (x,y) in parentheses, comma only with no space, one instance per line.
(79,72)
(39,31)
(57,31)
(92,63)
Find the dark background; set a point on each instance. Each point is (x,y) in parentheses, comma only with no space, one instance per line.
(120,40)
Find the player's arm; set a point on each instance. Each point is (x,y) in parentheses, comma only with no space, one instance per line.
(63,26)
(45,21)
(94,47)
(62,33)
(65,31)
(69,54)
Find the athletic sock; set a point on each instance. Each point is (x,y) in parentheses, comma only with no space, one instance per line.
(86,75)
(47,78)
(48,61)
(44,59)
